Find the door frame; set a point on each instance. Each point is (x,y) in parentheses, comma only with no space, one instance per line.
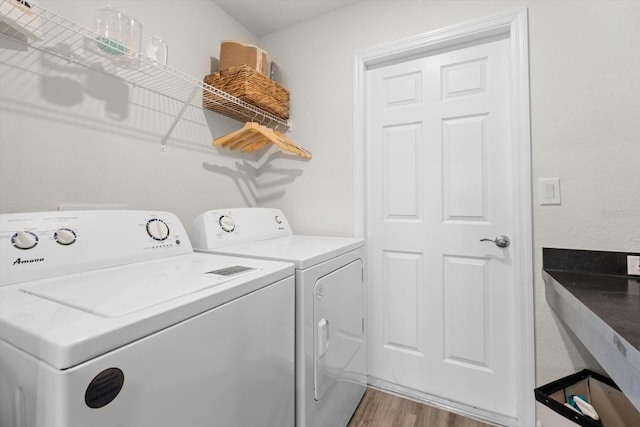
(514,24)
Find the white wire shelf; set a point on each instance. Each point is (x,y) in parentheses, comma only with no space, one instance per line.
(49,32)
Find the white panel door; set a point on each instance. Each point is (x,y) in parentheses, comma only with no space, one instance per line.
(442,317)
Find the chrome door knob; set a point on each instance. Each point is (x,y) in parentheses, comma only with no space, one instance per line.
(501,241)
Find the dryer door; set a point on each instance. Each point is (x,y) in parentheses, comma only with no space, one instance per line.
(338,313)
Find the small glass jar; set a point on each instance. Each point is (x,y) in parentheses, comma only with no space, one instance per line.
(119,35)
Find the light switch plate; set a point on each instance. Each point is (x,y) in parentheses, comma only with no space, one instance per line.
(633,265)
(549,191)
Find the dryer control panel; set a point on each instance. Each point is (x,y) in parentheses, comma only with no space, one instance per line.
(227,227)
(47,244)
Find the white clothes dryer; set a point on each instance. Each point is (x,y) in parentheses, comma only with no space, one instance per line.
(108,318)
(331,359)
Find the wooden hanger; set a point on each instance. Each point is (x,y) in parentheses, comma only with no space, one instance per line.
(256,145)
(225,140)
(297,149)
(253,136)
(245,140)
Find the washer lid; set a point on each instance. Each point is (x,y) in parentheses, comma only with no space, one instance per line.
(70,319)
(120,291)
(303,251)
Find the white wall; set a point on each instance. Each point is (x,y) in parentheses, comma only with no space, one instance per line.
(585,107)
(70,136)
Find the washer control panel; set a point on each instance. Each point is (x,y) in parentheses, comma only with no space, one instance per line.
(45,244)
(226,227)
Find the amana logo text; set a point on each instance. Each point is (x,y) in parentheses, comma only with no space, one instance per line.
(27,261)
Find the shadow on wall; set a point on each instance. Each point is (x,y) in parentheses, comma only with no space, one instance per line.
(581,358)
(51,87)
(272,180)
(242,173)
(65,83)
(254,179)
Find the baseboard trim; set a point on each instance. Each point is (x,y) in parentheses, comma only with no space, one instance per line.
(442,403)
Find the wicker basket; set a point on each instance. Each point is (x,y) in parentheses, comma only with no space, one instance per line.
(247,84)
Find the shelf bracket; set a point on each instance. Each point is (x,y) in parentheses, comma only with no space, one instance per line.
(187,102)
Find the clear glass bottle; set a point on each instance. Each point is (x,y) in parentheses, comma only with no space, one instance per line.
(157,50)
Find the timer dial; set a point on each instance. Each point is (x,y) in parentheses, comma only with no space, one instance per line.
(227,223)
(65,236)
(157,229)
(24,240)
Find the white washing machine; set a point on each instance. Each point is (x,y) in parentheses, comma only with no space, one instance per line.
(108,318)
(331,360)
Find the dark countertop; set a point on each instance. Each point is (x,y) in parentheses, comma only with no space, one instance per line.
(603,311)
(614,299)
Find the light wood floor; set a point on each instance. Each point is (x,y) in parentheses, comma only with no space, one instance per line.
(380,409)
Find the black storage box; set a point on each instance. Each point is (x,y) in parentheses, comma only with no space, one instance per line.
(612,405)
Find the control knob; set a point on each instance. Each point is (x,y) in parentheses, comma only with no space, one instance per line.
(24,240)
(227,223)
(64,236)
(157,229)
